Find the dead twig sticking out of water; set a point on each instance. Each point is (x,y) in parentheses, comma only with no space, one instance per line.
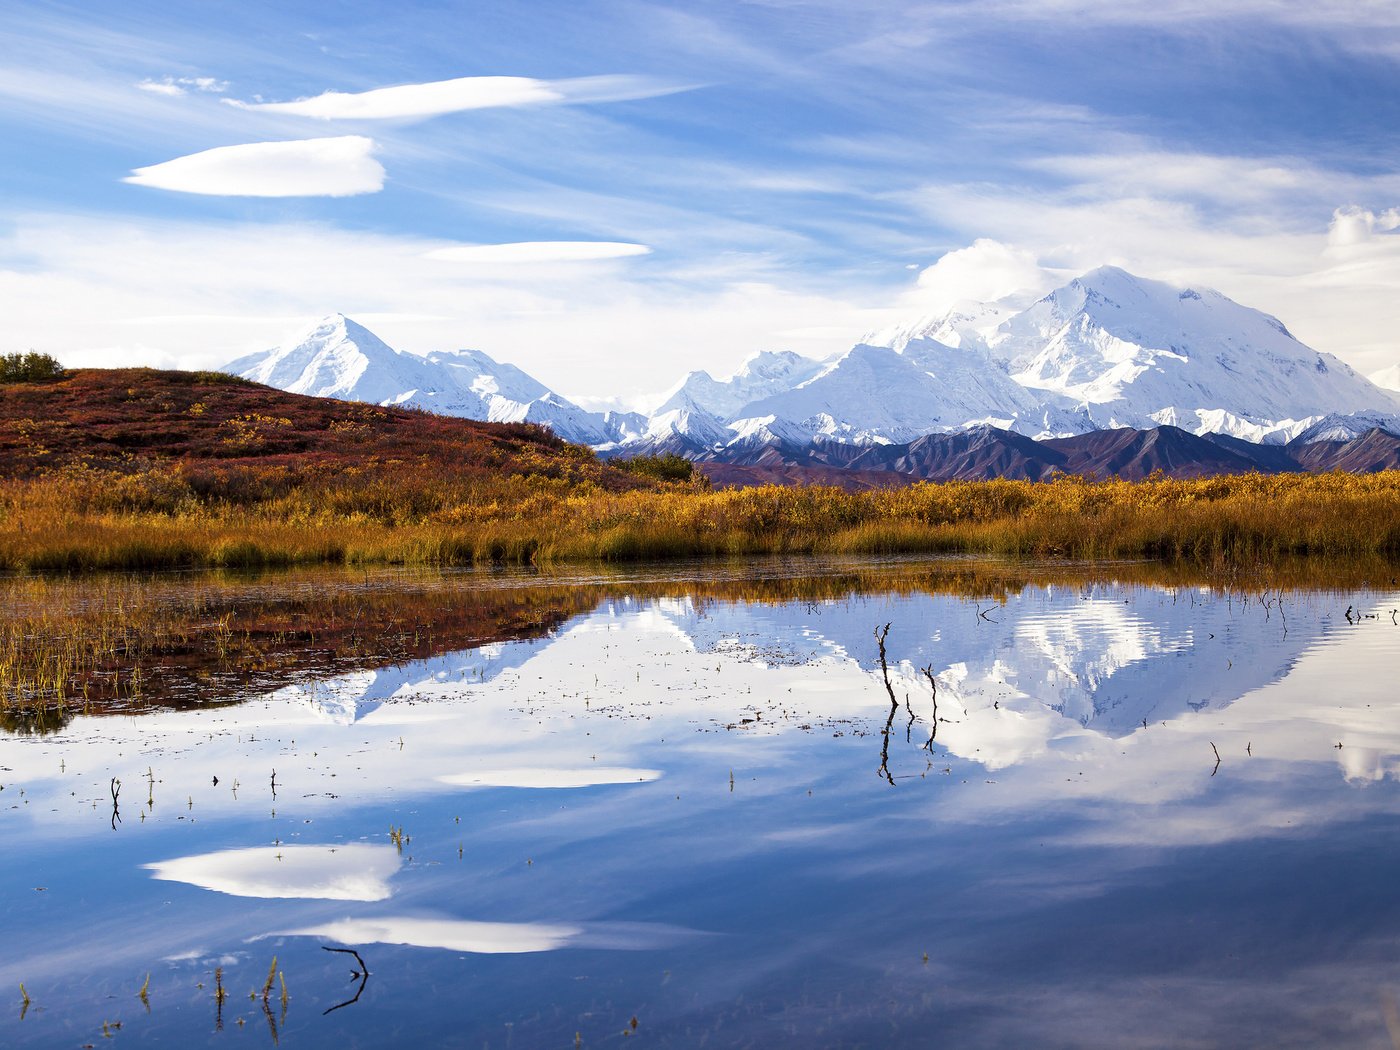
(362,975)
(1217,758)
(933,685)
(885,748)
(116,788)
(881,633)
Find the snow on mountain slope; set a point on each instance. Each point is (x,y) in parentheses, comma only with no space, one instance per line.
(1138,352)
(761,375)
(339,358)
(968,323)
(690,423)
(1338,427)
(876,394)
(867,394)
(1107,350)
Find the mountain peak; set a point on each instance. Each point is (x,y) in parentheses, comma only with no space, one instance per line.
(1107,349)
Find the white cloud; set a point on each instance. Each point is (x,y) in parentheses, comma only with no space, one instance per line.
(158,292)
(1264,244)
(457,935)
(537,252)
(984,271)
(353,872)
(1355,225)
(327,167)
(161,87)
(407,101)
(182,85)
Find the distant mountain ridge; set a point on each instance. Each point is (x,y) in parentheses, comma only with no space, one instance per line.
(1105,352)
(983,453)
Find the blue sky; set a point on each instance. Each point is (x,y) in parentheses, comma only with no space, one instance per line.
(760,175)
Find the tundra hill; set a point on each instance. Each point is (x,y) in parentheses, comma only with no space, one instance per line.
(215,427)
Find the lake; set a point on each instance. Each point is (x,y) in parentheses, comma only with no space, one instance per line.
(1106,805)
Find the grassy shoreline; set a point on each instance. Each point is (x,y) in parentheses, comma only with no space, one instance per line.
(81,520)
(136,642)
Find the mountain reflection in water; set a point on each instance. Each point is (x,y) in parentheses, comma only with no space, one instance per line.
(1156,810)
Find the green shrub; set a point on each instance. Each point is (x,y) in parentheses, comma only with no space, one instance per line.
(668,467)
(30,368)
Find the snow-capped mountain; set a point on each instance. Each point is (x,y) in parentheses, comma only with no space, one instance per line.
(761,375)
(1136,353)
(339,358)
(1107,350)
(876,394)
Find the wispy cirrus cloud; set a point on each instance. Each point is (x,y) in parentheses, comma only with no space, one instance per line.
(175,86)
(417,101)
(343,166)
(538,252)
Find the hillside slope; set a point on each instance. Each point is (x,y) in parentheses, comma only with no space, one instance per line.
(134,419)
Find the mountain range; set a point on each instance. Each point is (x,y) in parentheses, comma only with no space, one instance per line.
(1206,384)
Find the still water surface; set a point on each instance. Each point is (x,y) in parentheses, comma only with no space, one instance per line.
(1147,815)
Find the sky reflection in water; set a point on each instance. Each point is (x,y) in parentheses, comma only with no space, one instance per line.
(673,809)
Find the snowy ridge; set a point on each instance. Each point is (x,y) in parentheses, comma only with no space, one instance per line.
(1105,351)
(339,358)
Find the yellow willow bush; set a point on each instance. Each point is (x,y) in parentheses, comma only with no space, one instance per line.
(84,520)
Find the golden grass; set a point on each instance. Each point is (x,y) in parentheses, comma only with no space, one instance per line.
(83,521)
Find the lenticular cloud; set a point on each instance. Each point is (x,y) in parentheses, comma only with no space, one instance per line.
(407,101)
(342,166)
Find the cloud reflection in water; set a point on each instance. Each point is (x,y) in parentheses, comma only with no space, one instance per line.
(355,872)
